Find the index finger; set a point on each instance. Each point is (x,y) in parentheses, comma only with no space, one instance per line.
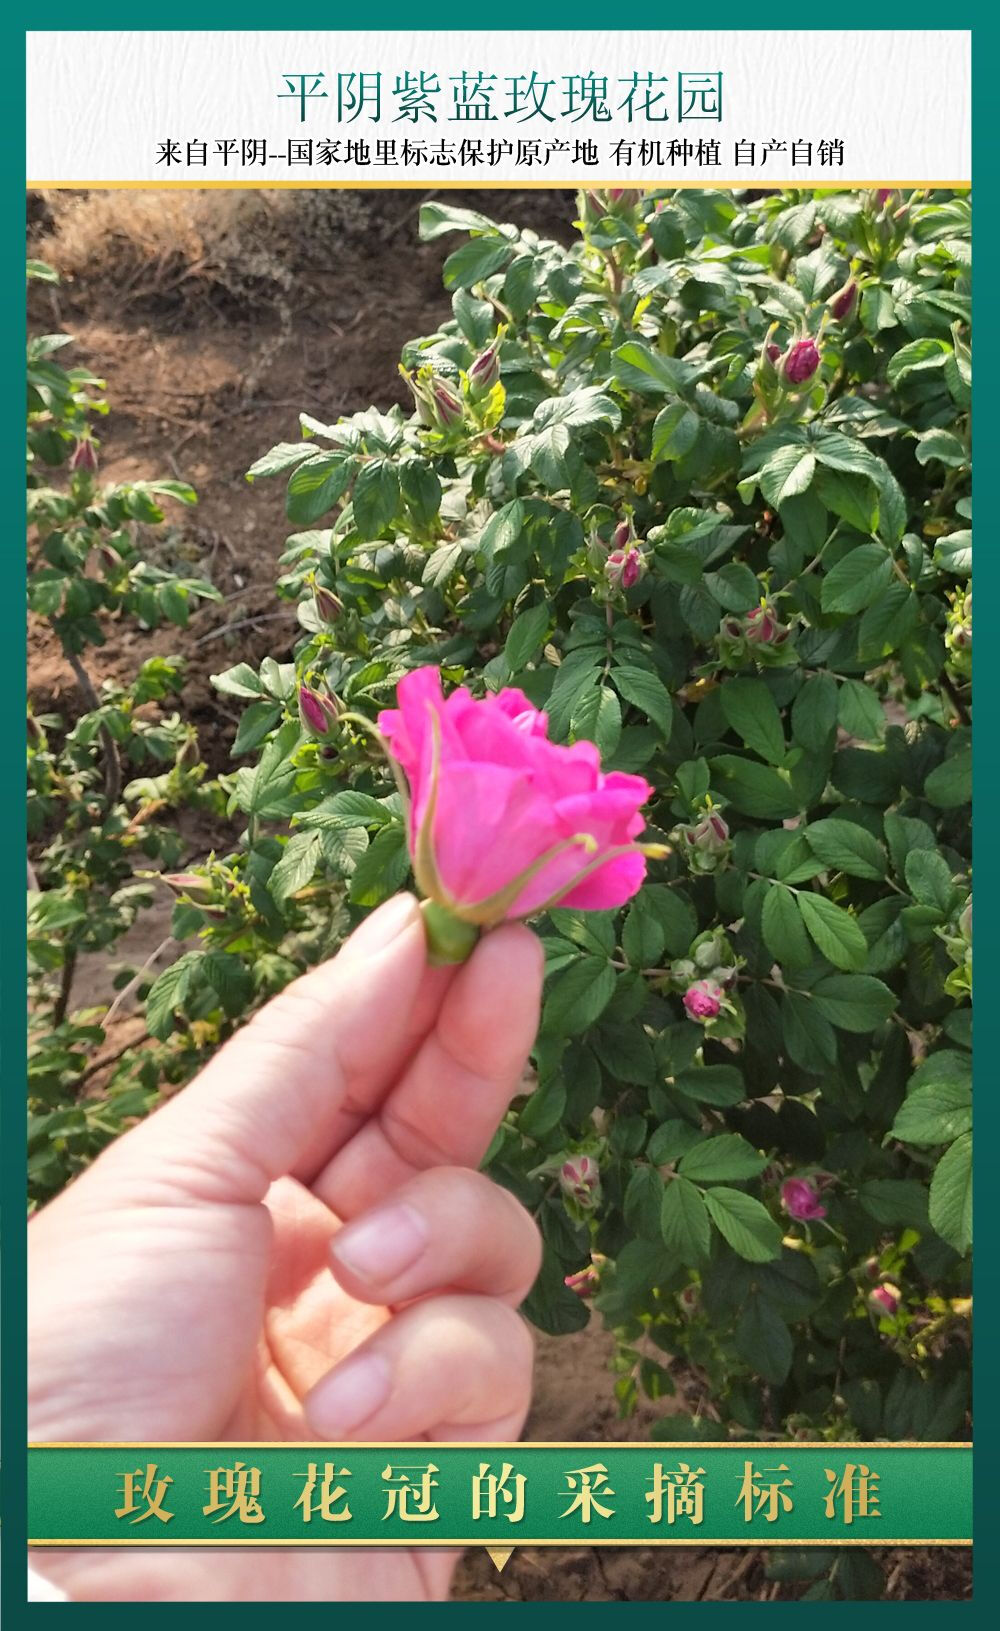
(453,1094)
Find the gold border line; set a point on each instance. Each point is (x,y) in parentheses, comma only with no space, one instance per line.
(865,1538)
(474,184)
(592,1446)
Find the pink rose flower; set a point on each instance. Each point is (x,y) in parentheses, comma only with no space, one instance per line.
(624,567)
(703,1000)
(504,823)
(801,1200)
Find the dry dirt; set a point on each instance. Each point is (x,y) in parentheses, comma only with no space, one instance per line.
(215,318)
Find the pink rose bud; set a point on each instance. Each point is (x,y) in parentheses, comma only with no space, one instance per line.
(885,1299)
(584,1283)
(471,764)
(84,456)
(448,407)
(801,361)
(580,1179)
(328,606)
(842,303)
(317,711)
(703,1000)
(485,371)
(689,1300)
(774,352)
(883,194)
(624,567)
(872,1268)
(622,536)
(762,627)
(800,1198)
(110,558)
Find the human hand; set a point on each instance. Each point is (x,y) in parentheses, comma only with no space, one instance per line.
(182,1287)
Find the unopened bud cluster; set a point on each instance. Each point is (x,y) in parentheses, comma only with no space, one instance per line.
(759,637)
(704,842)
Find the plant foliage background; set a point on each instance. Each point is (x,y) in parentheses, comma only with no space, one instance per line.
(790,671)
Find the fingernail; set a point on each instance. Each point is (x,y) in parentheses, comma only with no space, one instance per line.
(380,1245)
(349,1395)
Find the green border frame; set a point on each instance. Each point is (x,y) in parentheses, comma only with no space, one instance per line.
(392,15)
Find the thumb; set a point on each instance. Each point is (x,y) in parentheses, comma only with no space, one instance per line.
(273,1097)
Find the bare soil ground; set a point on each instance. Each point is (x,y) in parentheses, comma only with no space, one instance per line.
(215,318)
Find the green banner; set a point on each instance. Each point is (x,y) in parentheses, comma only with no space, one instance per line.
(681,1494)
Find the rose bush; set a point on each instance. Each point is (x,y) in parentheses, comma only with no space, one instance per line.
(697,488)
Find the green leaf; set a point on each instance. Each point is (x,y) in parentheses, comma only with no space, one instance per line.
(300,858)
(857,579)
(281,458)
(598,716)
(951,1195)
(745,1224)
(809,1039)
(860,712)
(675,915)
(579,996)
(929,879)
(814,713)
(723,1159)
(474,261)
(643,938)
(643,1202)
(843,846)
(641,369)
(950,785)
(441,564)
(784,934)
(376,498)
(853,1002)
(717,1085)
(853,498)
(763,1339)
(787,473)
(647,693)
(684,1222)
(316,486)
(675,432)
(835,932)
(918,355)
(895,1201)
(754,789)
(168,993)
(230,979)
(936,1113)
(526,635)
(241,681)
(382,869)
(752,712)
(344,811)
(953,553)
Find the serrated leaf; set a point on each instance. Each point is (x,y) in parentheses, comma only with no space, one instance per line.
(950,785)
(168,993)
(763,1339)
(579,996)
(745,1224)
(857,579)
(783,930)
(645,692)
(787,473)
(684,1222)
(951,1194)
(527,633)
(725,1158)
(598,716)
(299,860)
(675,432)
(751,711)
(844,846)
(834,931)
(853,1002)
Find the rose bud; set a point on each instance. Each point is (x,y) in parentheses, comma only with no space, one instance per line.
(885,1300)
(774,352)
(109,558)
(706,842)
(580,1180)
(318,712)
(703,1000)
(448,407)
(800,1198)
(871,1268)
(624,568)
(328,606)
(763,628)
(586,1281)
(801,361)
(485,371)
(84,456)
(622,536)
(689,1300)
(883,194)
(473,765)
(194,884)
(842,303)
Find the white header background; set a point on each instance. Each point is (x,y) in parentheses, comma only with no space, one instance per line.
(99,104)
